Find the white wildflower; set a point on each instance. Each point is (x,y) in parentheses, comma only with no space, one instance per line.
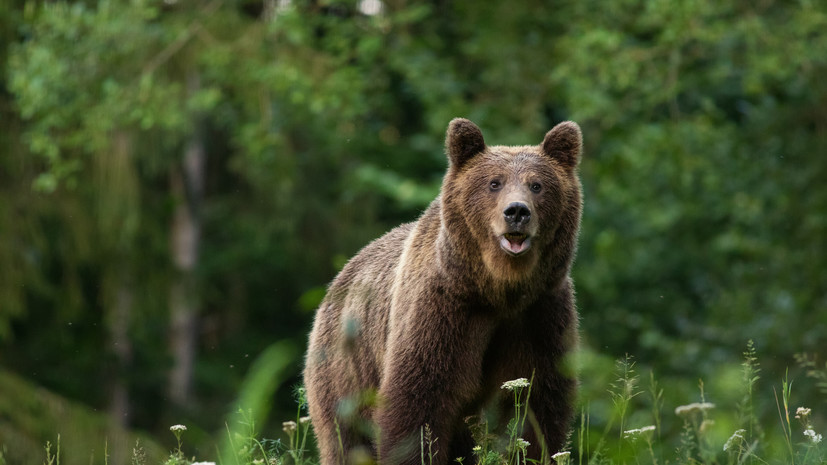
(515,383)
(802,412)
(522,443)
(693,407)
(289,426)
(736,437)
(562,458)
(304,420)
(814,437)
(477,449)
(634,433)
(175,428)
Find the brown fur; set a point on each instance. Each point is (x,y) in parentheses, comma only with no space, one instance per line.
(435,315)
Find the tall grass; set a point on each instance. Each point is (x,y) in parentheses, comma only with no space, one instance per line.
(632,428)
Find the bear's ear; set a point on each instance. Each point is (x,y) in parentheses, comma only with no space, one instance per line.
(564,143)
(463,141)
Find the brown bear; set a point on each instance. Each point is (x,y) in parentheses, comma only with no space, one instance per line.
(436,314)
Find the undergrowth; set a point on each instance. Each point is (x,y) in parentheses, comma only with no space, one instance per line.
(637,429)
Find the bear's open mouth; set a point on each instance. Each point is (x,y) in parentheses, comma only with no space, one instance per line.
(515,243)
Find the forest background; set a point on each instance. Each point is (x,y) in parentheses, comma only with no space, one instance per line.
(179,180)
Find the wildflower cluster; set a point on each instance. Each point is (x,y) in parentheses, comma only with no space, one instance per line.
(802,414)
(814,437)
(297,435)
(515,384)
(289,427)
(562,458)
(177,457)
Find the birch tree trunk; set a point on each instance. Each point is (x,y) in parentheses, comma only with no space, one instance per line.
(187,187)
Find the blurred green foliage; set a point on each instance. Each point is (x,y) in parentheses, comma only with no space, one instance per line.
(29,413)
(705,126)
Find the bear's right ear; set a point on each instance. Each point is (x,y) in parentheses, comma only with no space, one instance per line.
(564,143)
(463,141)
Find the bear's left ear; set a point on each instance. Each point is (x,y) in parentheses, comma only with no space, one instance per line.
(564,143)
(463,141)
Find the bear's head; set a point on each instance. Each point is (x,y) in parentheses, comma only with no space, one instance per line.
(511,208)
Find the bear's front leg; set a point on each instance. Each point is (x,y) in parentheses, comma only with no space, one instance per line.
(546,347)
(432,375)
(552,399)
(541,343)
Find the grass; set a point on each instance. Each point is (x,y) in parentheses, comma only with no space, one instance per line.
(708,434)
(627,425)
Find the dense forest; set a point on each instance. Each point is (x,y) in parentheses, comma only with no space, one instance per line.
(179,181)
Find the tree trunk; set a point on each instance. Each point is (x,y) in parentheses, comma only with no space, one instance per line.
(187,186)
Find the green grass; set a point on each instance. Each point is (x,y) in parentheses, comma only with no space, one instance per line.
(622,423)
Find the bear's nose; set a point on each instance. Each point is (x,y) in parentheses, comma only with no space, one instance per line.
(517,214)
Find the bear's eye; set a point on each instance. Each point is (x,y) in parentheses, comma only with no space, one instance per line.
(535,187)
(495,185)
